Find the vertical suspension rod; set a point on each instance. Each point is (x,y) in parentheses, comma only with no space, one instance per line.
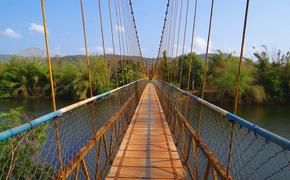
(52,89)
(238,86)
(48,56)
(125,25)
(178,36)
(161,40)
(103,44)
(86,48)
(113,43)
(170,39)
(191,46)
(118,29)
(184,39)
(173,41)
(122,29)
(207,49)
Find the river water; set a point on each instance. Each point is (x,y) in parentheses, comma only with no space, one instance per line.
(275,118)
(32,107)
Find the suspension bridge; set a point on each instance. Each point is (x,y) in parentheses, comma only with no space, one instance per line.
(144,129)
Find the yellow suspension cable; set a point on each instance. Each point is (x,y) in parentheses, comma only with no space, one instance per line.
(184,39)
(169,40)
(48,57)
(52,90)
(238,86)
(125,29)
(126,49)
(86,48)
(178,34)
(113,43)
(191,46)
(241,58)
(103,44)
(130,34)
(121,28)
(154,70)
(118,28)
(207,49)
(172,46)
(126,36)
(133,38)
(131,43)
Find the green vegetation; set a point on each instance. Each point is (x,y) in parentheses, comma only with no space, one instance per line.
(19,155)
(263,80)
(273,73)
(28,77)
(168,65)
(23,155)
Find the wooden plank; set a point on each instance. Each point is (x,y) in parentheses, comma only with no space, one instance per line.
(148,150)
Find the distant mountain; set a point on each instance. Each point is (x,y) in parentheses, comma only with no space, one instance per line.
(31,52)
(202,56)
(28,52)
(37,52)
(4,57)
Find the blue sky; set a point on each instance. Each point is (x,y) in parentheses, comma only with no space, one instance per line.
(20,25)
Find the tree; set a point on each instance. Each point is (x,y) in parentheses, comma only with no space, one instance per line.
(222,73)
(163,67)
(196,73)
(285,76)
(269,74)
(23,77)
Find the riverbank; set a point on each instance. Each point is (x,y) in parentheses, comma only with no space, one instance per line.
(218,97)
(275,118)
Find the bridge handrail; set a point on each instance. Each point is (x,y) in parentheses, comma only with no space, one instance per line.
(50,116)
(285,143)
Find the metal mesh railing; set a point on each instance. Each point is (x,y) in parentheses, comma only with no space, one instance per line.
(77,141)
(256,153)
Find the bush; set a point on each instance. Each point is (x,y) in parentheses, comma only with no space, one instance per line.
(19,155)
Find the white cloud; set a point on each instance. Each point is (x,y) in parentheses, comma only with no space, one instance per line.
(36,28)
(119,28)
(180,48)
(83,50)
(200,45)
(109,50)
(97,50)
(57,51)
(11,33)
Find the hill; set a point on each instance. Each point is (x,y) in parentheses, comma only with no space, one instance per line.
(31,52)
(4,57)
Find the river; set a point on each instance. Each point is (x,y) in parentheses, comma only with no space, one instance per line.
(275,118)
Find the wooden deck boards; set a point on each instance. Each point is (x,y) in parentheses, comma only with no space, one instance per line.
(148,150)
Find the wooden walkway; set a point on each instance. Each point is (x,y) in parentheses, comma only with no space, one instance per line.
(148,150)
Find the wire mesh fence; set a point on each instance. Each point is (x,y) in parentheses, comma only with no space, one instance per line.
(77,141)
(256,153)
